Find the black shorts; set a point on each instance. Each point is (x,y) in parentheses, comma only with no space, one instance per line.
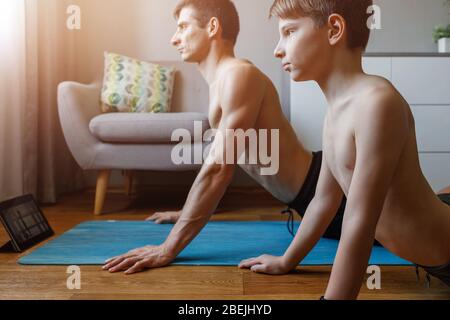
(445,198)
(307,192)
(440,272)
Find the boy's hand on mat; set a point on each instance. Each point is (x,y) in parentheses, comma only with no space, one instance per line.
(138,260)
(165,217)
(266,264)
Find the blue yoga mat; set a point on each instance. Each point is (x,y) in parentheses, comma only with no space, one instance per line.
(218,244)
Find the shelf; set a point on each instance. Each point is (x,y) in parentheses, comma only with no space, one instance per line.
(406,54)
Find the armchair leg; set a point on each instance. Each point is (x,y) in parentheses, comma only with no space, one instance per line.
(100,192)
(129,175)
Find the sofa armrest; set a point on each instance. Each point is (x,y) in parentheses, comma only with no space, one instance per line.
(77,105)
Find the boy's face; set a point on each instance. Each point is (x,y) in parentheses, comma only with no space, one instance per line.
(191,41)
(303,48)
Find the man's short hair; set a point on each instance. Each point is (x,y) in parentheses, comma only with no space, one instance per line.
(354,12)
(224,10)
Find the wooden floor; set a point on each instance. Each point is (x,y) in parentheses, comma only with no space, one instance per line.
(179,282)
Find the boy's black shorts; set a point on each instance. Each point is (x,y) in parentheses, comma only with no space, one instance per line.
(306,194)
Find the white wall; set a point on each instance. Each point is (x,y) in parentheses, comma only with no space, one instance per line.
(407,25)
(143,29)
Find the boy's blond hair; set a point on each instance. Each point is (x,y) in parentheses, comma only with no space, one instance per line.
(355,13)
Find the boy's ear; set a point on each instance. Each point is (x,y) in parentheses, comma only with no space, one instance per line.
(336,28)
(213,27)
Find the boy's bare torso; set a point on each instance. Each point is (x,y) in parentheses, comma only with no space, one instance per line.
(294,159)
(413,224)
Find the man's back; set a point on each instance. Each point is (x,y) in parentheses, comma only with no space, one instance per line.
(294,160)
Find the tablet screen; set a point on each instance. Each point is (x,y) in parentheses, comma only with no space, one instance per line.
(24,222)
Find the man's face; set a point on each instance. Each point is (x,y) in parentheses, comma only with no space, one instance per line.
(191,41)
(303,48)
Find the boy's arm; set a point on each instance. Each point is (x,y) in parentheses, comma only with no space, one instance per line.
(318,216)
(380,137)
(239,111)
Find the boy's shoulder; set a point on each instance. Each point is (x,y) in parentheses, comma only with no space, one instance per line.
(376,90)
(377,97)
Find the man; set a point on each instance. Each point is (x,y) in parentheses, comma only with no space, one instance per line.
(241,97)
(369,152)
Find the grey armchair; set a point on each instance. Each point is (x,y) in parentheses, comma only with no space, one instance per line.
(126,141)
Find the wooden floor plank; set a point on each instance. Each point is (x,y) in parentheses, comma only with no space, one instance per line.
(185,282)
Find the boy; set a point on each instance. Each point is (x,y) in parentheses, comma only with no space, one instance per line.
(369,152)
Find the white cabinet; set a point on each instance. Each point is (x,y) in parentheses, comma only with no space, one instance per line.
(378,66)
(425,84)
(436,168)
(422,80)
(432,128)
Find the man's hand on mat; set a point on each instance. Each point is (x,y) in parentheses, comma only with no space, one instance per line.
(266,264)
(165,217)
(138,260)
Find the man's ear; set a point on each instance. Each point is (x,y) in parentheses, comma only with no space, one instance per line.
(336,28)
(213,27)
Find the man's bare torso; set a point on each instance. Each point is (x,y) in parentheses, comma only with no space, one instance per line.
(294,159)
(413,224)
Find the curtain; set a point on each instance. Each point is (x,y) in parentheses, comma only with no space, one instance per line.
(36,54)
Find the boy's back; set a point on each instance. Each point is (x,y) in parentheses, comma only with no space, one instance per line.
(370,152)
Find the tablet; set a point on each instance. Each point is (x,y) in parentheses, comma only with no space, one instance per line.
(24,222)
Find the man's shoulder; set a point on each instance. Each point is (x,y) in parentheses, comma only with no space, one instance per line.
(240,69)
(241,77)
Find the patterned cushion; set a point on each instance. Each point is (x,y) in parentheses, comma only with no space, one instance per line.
(130,85)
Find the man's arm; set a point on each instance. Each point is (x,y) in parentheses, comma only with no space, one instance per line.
(165,217)
(380,138)
(239,111)
(318,216)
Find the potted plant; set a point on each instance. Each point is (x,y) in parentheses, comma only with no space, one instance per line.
(441,35)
